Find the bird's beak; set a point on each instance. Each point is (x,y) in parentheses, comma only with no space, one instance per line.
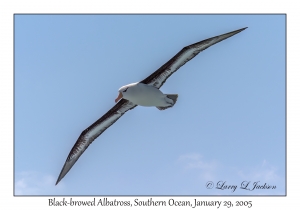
(119,97)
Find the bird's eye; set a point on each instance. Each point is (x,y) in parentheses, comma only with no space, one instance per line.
(125,90)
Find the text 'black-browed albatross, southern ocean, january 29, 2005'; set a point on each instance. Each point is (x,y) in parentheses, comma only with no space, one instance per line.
(144,93)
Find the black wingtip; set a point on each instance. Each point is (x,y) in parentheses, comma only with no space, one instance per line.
(239,30)
(234,32)
(57,182)
(61,175)
(243,28)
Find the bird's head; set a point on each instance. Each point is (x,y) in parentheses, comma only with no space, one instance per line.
(122,92)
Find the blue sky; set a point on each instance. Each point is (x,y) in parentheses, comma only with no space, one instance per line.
(228,124)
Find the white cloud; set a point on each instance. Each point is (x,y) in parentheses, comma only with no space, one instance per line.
(195,161)
(215,171)
(263,172)
(34,183)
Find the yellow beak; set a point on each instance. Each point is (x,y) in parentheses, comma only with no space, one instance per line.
(119,97)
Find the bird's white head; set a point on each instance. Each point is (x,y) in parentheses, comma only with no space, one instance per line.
(123,91)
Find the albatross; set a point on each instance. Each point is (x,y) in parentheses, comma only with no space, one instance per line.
(143,93)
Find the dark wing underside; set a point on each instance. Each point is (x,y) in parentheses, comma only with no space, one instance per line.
(92,132)
(158,78)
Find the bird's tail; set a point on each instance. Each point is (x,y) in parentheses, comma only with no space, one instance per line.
(173,97)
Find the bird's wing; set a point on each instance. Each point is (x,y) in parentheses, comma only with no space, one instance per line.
(92,132)
(158,78)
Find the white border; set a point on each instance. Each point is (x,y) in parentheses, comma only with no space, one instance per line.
(8,8)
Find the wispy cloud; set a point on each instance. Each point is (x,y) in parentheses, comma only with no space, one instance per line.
(34,183)
(214,171)
(195,161)
(263,171)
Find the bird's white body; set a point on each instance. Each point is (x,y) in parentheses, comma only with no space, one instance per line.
(145,95)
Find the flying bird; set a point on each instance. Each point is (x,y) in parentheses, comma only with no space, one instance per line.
(143,93)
